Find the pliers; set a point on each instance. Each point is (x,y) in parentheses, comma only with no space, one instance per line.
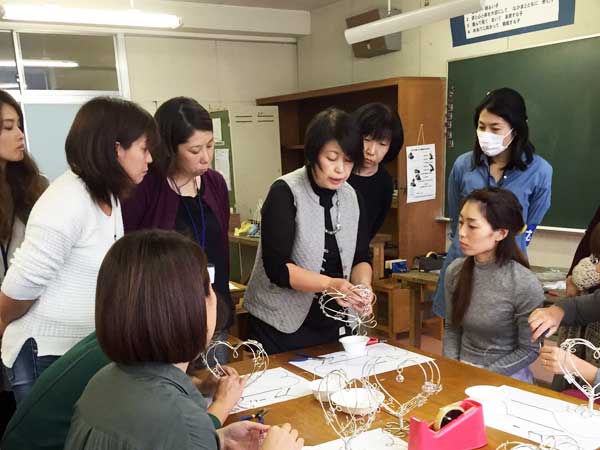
(259,415)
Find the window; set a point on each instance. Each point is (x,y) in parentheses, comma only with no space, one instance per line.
(69,62)
(8,64)
(59,72)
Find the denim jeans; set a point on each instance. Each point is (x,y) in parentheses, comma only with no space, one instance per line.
(27,368)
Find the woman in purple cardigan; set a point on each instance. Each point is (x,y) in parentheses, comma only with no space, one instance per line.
(181,192)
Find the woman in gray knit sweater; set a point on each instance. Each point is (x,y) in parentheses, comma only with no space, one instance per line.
(491,291)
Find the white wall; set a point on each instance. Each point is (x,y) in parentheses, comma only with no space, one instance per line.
(216,73)
(324,59)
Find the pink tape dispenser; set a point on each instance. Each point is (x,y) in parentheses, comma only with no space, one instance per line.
(458,426)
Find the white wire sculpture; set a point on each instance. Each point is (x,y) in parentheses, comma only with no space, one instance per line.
(260,359)
(558,442)
(352,318)
(349,406)
(574,377)
(432,385)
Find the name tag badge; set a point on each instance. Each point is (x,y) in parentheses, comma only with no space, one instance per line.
(342,331)
(211,273)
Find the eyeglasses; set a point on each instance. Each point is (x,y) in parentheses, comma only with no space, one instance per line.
(594,260)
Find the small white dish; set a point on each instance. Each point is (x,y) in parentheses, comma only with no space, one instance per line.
(484,393)
(358,401)
(355,345)
(323,389)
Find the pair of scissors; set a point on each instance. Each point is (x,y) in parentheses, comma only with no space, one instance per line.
(259,415)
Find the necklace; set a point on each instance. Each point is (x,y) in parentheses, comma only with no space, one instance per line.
(338,226)
(184,184)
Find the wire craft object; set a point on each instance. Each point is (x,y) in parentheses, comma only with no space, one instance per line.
(558,442)
(574,377)
(432,385)
(349,406)
(260,359)
(355,320)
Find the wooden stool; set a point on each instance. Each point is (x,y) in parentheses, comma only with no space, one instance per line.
(396,300)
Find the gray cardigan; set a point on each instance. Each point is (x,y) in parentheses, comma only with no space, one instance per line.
(495,333)
(286,309)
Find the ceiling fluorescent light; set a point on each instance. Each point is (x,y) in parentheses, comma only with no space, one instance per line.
(411,19)
(59,14)
(40,63)
(9,85)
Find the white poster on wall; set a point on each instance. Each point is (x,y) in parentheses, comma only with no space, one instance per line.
(507,15)
(217,131)
(222,165)
(420,173)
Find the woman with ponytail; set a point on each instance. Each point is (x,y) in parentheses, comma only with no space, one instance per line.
(491,291)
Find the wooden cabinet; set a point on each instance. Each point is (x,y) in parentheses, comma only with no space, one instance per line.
(418,100)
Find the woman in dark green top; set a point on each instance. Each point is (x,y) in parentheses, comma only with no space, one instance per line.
(154,314)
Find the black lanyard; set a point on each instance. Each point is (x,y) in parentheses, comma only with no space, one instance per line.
(4,249)
(200,236)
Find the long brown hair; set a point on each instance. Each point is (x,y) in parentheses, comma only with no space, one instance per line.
(20,182)
(502,210)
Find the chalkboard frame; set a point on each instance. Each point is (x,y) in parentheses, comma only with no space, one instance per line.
(561,104)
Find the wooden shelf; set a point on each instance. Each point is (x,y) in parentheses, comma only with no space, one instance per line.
(420,101)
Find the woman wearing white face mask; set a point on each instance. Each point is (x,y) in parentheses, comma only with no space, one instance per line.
(502,157)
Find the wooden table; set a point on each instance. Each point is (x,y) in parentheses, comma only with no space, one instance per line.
(419,283)
(306,416)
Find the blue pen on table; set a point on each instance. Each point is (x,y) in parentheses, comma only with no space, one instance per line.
(304,357)
(260,415)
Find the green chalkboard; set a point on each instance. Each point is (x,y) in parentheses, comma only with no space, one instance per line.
(561,87)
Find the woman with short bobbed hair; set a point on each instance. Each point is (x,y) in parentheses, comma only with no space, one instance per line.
(314,238)
(47,298)
(156,312)
(382,135)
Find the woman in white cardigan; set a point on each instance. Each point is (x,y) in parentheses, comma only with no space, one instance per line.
(47,296)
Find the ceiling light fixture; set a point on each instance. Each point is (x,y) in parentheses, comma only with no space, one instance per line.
(59,14)
(40,63)
(411,19)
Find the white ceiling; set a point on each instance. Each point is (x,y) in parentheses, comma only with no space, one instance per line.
(306,5)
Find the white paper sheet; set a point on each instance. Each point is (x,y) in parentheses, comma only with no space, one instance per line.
(222,165)
(217,131)
(274,386)
(354,366)
(376,439)
(533,416)
(420,173)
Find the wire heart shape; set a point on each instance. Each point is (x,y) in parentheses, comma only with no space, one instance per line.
(571,372)
(260,359)
(432,385)
(349,406)
(352,318)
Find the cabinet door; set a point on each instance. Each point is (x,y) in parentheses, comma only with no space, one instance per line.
(256,156)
